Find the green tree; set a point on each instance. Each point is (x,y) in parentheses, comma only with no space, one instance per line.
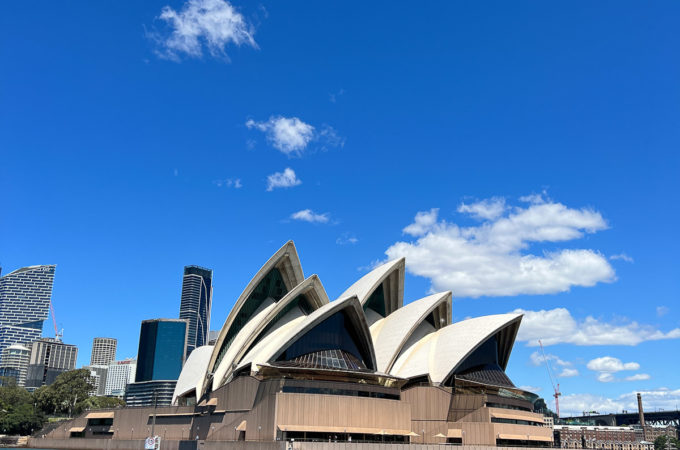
(18,414)
(67,390)
(666,443)
(98,403)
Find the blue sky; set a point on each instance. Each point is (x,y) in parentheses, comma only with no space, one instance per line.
(523,155)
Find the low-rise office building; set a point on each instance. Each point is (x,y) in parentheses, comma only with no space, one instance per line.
(599,437)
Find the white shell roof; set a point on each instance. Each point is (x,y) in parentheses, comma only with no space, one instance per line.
(287,259)
(441,352)
(365,286)
(391,333)
(261,319)
(193,371)
(279,340)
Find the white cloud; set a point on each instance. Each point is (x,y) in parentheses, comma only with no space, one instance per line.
(611,365)
(622,257)
(346,238)
(284,179)
(291,136)
(558,326)
(423,222)
(662,311)
(661,398)
(212,24)
(567,373)
(307,215)
(533,389)
(489,209)
(638,377)
(229,183)
(605,377)
(537,359)
(492,259)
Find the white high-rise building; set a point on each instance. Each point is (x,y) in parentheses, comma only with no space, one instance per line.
(119,375)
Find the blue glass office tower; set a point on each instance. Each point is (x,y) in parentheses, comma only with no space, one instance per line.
(162,349)
(195,305)
(161,355)
(24,304)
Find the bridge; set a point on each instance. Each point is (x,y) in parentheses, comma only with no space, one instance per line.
(630,418)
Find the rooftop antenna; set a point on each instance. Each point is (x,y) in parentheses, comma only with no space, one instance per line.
(556,389)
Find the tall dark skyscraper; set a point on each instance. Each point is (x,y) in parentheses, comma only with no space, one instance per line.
(24,304)
(195,305)
(162,349)
(161,355)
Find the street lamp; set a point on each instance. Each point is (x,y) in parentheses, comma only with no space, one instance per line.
(259,428)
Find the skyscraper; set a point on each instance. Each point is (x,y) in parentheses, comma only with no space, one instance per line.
(24,304)
(103,351)
(195,305)
(49,358)
(162,351)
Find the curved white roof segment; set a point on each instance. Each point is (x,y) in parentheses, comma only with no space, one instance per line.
(269,348)
(315,294)
(287,261)
(193,371)
(439,354)
(391,276)
(391,333)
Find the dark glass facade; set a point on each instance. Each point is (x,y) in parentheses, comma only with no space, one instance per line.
(162,347)
(334,333)
(195,305)
(377,301)
(271,286)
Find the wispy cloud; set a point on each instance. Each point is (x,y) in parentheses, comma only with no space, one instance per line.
(662,311)
(531,388)
(307,215)
(538,359)
(638,377)
(212,24)
(492,258)
(346,238)
(229,183)
(333,96)
(291,136)
(558,326)
(622,257)
(284,179)
(567,373)
(488,209)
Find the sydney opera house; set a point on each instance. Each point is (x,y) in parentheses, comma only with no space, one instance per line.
(290,364)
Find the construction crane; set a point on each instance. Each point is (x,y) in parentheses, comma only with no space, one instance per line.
(57,335)
(556,389)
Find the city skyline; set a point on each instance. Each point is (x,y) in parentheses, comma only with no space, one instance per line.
(522,157)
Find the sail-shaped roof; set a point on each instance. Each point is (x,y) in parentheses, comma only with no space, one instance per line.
(381,290)
(193,372)
(391,333)
(281,273)
(308,296)
(277,343)
(440,353)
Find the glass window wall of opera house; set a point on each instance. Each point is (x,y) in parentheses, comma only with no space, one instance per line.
(291,364)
